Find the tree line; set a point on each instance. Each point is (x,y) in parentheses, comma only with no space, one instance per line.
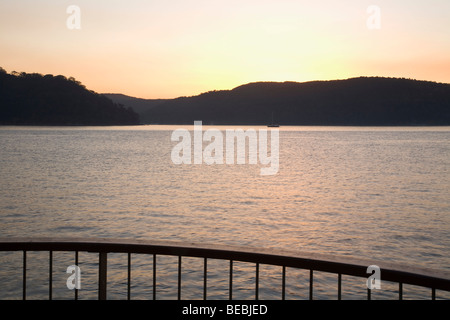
(36,99)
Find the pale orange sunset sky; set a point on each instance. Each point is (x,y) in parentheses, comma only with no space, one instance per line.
(172,48)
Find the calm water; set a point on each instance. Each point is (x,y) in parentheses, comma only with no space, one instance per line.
(377,193)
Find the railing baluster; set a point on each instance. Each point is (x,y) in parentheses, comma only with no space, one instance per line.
(230,290)
(433,294)
(400,291)
(257,282)
(129,277)
(154,276)
(50,275)
(205,277)
(179,277)
(369,294)
(311,284)
(102,275)
(76,263)
(339,286)
(283,284)
(24,276)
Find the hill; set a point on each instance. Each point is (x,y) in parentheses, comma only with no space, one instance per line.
(35,99)
(356,101)
(140,106)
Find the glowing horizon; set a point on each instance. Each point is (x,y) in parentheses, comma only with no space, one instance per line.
(156,49)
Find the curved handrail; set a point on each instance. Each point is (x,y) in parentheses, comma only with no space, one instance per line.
(438,279)
(434,279)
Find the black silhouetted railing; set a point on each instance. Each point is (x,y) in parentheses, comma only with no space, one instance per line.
(435,280)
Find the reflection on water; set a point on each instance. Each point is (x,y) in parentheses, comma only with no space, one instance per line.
(378,193)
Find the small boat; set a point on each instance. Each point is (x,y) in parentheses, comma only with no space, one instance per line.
(273,125)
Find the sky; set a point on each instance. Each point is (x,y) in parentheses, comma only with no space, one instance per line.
(171,48)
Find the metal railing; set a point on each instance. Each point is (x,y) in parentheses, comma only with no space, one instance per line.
(433,279)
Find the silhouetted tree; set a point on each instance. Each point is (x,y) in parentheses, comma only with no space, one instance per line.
(34,99)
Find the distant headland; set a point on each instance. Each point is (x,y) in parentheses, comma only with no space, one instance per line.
(363,101)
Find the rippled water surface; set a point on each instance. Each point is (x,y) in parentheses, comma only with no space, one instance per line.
(376,193)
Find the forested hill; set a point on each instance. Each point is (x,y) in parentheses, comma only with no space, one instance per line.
(356,101)
(35,99)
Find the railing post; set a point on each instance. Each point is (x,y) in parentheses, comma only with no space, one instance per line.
(257,282)
(179,278)
(205,277)
(154,277)
(50,275)
(76,263)
(230,289)
(129,277)
(24,276)
(102,272)
(339,286)
(283,284)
